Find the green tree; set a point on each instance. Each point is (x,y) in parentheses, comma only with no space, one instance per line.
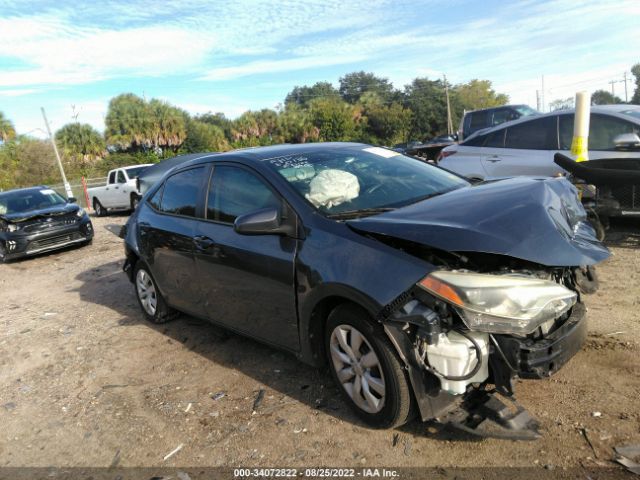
(303,95)
(35,163)
(388,124)
(295,125)
(129,123)
(204,137)
(254,128)
(7,130)
(602,97)
(635,70)
(354,85)
(81,145)
(477,94)
(218,119)
(426,99)
(336,121)
(168,125)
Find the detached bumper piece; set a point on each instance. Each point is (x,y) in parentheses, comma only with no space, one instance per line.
(485,414)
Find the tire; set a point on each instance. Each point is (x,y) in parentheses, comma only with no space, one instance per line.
(150,299)
(98,208)
(371,379)
(135,200)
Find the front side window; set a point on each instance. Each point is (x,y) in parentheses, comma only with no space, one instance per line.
(121,178)
(235,191)
(603,129)
(180,192)
(539,134)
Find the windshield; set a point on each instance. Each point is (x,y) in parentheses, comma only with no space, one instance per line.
(365,179)
(22,201)
(134,172)
(525,110)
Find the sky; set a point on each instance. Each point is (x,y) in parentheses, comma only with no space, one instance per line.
(71,57)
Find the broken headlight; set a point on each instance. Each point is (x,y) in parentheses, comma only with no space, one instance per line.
(500,303)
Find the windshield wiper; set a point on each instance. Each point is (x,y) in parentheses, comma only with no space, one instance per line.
(359,213)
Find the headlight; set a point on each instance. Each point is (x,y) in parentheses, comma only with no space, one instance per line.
(80,213)
(500,303)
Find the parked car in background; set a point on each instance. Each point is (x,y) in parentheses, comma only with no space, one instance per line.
(475,120)
(374,263)
(37,220)
(120,192)
(527,146)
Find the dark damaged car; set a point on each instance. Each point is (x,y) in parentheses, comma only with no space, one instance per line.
(37,220)
(421,292)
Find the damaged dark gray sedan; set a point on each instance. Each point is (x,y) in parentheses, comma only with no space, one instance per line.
(421,292)
(37,219)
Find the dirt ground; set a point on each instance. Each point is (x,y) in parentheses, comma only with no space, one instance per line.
(85,381)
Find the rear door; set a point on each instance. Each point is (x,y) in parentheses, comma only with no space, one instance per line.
(167,237)
(528,150)
(247,281)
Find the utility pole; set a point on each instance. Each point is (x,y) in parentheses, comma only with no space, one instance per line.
(538,100)
(67,187)
(542,94)
(626,97)
(449,122)
(613,82)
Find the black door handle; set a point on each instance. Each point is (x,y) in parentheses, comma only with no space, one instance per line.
(203,243)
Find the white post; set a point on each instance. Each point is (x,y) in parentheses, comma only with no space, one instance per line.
(580,143)
(67,187)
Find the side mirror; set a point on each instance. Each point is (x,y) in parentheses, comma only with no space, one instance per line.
(267,221)
(72,200)
(627,141)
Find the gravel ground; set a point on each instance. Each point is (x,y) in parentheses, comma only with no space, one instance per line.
(85,381)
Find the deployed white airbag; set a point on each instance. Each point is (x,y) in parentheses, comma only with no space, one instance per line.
(332,187)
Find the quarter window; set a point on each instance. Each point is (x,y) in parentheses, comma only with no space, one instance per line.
(539,134)
(235,191)
(180,194)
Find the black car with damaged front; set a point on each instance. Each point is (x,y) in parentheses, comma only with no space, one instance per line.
(37,220)
(421,292)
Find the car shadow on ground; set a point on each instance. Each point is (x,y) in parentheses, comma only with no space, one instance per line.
(623,233)
(280,371)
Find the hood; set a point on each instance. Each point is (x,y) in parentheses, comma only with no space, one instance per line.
(56,210)
(537,220)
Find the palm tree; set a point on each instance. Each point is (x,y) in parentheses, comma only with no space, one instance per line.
(7,130)
(81,142)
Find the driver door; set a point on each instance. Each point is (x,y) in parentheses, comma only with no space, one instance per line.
(246,282)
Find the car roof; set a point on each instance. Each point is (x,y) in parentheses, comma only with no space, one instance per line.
(613,110)
(256,155)
(511,105)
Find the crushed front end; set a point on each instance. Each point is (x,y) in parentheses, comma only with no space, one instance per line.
(466,336)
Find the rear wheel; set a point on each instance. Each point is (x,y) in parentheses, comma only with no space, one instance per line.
(366,367)
(98,208)
(149,297)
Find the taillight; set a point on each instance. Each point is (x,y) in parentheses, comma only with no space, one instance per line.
(444,154)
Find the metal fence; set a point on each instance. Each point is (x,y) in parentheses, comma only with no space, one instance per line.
(78,189)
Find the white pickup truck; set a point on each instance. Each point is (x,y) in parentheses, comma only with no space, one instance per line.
(120,192)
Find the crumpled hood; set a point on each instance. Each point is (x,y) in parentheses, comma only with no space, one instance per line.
(56,210)
(538,220)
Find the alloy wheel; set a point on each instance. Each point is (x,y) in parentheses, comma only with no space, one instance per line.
(358,368)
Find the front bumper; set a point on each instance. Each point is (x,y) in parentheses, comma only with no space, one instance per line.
(542,358)
(17,245)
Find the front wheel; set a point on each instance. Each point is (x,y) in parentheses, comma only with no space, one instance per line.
(98,208)
(149,297)
(366,367)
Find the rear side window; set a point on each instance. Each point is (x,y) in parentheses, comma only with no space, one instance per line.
(180,192)
(479,120)
(539,134)
(235,191)
(495,139)
(112,177)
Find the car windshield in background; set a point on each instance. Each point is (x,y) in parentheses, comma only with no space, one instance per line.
(525,110)
(22,201)
(633,113)
(133,172)
(340,182)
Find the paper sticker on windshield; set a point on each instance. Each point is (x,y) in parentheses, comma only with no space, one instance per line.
(382,152)
(47,191)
